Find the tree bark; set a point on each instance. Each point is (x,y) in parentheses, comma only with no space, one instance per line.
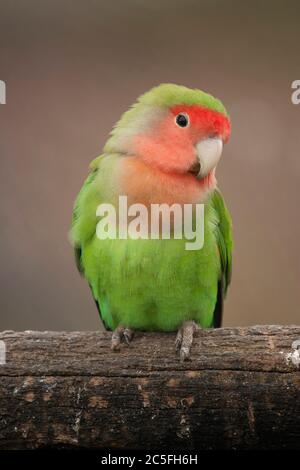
(241,390)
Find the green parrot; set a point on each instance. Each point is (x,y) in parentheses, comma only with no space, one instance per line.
(163,150)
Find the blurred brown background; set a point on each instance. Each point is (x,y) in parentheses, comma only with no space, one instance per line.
(72,67)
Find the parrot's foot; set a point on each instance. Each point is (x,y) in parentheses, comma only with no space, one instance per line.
(184,339)
(121,333)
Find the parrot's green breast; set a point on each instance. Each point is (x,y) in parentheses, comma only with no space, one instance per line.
(153,284)
(149,284)
(158,289)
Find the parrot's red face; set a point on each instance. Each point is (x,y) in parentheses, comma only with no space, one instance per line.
(183,140)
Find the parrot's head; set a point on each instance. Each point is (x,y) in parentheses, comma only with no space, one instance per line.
(174,129)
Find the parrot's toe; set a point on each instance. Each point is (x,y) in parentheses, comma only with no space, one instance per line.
(184,353)
(128,335)
(117,338)
(121,333)
(178,340)
(184,339)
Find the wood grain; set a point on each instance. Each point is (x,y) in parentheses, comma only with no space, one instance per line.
(241,389)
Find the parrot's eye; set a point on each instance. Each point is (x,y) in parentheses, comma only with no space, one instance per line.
(182,120)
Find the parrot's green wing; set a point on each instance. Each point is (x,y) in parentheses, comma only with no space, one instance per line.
(76,215)
(223,232)
(84,213)
(83,217)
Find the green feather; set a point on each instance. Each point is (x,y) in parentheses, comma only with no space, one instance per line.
(150,284)
(163,96)
(168,94)
(223,231)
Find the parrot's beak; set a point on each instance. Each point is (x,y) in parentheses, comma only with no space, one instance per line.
(208,152)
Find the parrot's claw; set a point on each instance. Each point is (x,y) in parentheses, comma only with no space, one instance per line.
(117,338)
(119,334)
(184,339)
(128,335)
(178,340)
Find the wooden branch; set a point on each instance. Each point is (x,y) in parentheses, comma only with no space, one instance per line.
(240,390)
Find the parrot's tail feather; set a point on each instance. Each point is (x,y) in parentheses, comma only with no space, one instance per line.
(218,313)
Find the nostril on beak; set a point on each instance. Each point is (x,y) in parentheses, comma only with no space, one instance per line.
(195,168)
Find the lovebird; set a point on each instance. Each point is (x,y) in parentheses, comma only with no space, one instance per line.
(163,151)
